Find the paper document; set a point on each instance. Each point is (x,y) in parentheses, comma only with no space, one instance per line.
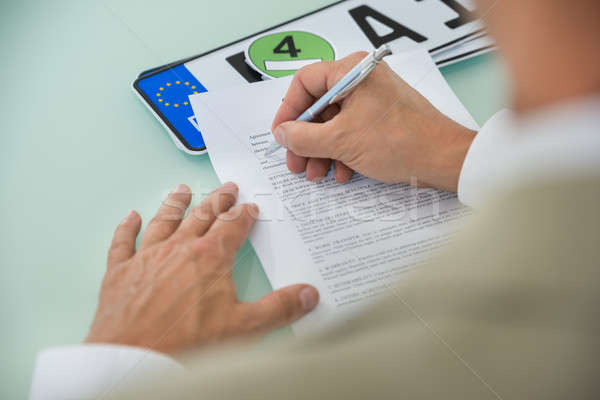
(351,241)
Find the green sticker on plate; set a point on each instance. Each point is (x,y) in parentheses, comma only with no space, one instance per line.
(283,53)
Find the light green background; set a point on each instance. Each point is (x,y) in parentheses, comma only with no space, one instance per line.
(78,150)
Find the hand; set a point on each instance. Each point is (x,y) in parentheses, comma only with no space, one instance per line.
(384,129)
(176,291)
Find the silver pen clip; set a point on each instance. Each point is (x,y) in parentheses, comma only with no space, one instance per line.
(367,66)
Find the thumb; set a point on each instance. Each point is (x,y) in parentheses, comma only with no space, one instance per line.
(280,308)
(307,139)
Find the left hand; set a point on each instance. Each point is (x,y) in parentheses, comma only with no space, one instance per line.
(176,292)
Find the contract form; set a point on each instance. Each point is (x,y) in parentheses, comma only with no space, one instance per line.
(351,241)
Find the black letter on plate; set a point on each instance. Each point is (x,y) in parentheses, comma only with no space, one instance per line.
(464,16)
(360,15)
(238,62)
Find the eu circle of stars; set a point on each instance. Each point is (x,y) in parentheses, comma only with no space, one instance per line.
(161,90)
(169,91)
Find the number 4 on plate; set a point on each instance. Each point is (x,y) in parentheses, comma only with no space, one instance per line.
(290,47)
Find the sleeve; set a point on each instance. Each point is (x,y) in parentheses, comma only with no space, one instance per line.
(93,371)
(480,172)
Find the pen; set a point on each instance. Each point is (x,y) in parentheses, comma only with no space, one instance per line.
(342,88)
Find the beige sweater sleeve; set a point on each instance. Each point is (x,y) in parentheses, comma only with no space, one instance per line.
(509,312)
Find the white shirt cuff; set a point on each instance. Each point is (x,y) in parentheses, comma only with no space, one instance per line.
(478,173)
(93,371)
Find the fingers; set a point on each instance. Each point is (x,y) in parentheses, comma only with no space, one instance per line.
(278,309)
(123,243)
(201,217)
(317,168)
(309,139)
(330,112)
(168,217)
(341,172)
(310,83)
(230,229)
(296,163)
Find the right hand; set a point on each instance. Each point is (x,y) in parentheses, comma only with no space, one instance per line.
(384,130)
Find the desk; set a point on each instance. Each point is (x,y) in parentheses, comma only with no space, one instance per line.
(79,150)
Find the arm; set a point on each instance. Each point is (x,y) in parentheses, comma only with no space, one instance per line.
(478,171)
(94,370)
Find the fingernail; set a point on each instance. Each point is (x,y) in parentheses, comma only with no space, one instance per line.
(309,297)
(280,136)
(182,189)
(229,186)
(317,178)
(253,209)
(129,215)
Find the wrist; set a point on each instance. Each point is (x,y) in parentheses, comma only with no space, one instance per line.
(446,164)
